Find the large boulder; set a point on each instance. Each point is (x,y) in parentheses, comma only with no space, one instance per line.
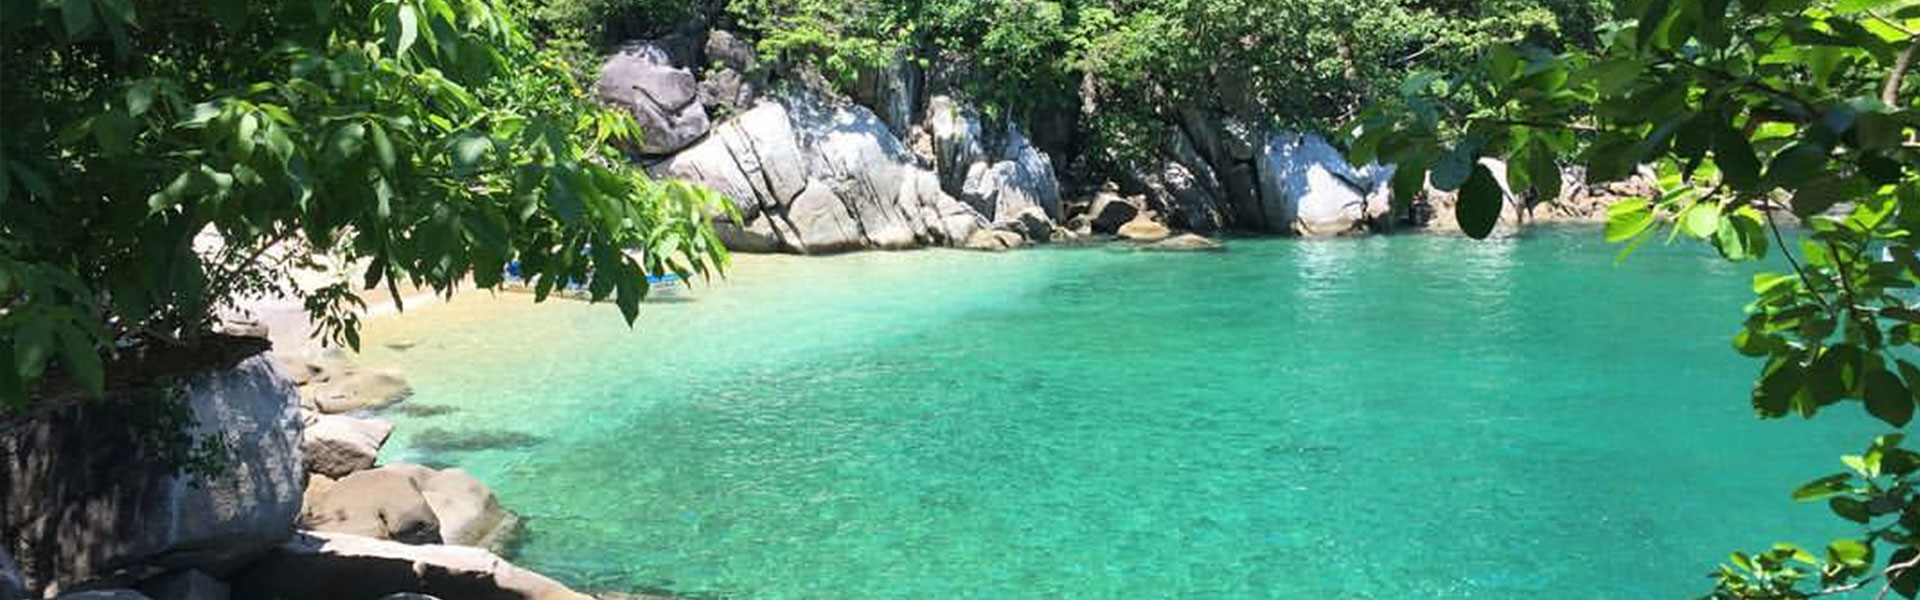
(82,501)
(380,503)
(664,99)
(411,504)
(13,586)
(333,566)
(186,585)
(1307,187)
(892,90)
(104,595)
(468,512)
(331,383)
(337,445)
(813,175)
(1110,210)
(957,145)
(996,170)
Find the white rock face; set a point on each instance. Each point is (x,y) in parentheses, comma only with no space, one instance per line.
(80,504)
(1000,180)
(810,175)
(1307,187)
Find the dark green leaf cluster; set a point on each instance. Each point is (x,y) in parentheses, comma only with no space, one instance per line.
(160,162)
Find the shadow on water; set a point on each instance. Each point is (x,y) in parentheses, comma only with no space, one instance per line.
(435,439)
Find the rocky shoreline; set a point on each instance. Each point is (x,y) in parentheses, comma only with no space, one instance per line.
(300,508)
(906,159)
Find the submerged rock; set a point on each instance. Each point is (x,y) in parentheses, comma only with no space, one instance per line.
(435,439)
(1186,242)
(335,385)
(81,502)
(332,566)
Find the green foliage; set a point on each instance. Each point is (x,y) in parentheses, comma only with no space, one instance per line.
(1302,62)
(1746,110)
(426,140)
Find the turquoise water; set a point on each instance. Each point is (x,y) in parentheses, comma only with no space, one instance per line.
(1391,417)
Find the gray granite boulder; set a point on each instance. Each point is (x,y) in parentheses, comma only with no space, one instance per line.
(382,503)
(664,99)
(812,175)
(1307,187)
(338,445)
(82,502)
(333,566)
(186,585)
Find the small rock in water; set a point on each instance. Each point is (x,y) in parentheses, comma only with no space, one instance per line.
(1144,230)
(995,240)
(403,345)
(1186,242)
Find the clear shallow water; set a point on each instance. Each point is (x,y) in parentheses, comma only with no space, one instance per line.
(1398,417)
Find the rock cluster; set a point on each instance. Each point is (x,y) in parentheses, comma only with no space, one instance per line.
(299,509)
(902,158)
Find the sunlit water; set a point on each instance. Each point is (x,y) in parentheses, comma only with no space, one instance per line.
(1393,417)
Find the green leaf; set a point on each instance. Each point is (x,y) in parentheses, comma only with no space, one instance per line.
(1887,398)
(1543,173)
(1739,166)
(1824,487)
(1906,582)
(1850,509)
(469,150)
(229,13)
(382,147)
(243,141)
(1701,220)
(82,361)
(1455,167)
(1627,219)
(1481,200)
(1849,552)
(409,29)
(77,16)
(114,130)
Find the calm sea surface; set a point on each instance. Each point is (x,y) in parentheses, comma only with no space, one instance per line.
(1391,417)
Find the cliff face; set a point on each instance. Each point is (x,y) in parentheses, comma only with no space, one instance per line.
(901,158)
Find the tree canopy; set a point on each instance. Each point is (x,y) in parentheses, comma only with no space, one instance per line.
(1307,63)
(428,140)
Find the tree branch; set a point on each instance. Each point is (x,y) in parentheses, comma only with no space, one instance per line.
(1890,95)
(1788,252)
